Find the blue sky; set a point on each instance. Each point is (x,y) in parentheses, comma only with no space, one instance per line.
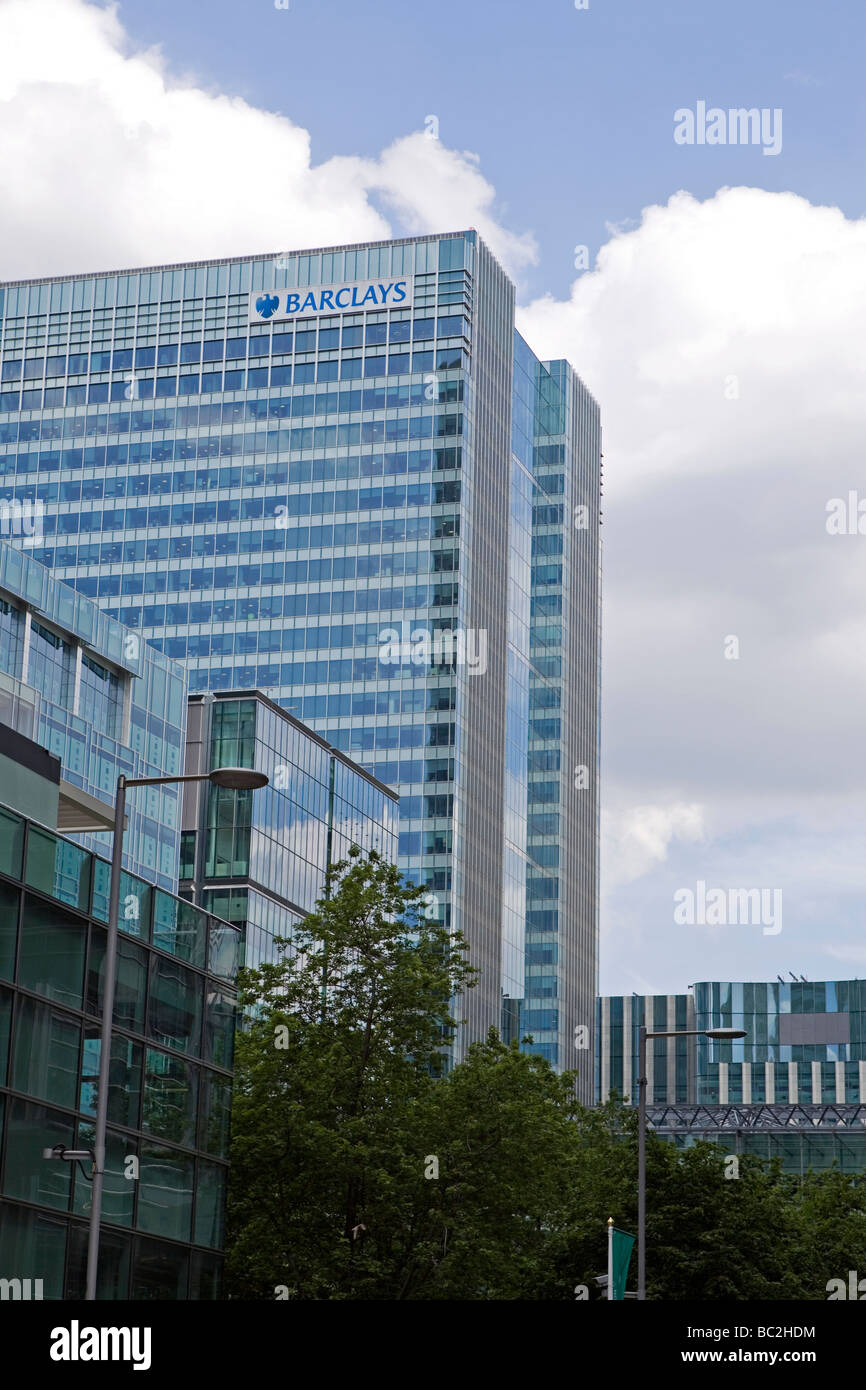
(571,112)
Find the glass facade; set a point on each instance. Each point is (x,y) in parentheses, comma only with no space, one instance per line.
(259,859)
(271,502)
(170,1079)
(99,698)
(670,1061)
(805,1041)
(794,1086)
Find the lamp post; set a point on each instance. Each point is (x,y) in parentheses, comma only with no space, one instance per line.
(724,1035)
(235,778)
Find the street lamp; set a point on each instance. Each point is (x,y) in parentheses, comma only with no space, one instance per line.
(724,1035)
(235,778)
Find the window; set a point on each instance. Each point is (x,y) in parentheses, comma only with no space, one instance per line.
(100,697)
(174,1006)
(51,665)
(52,953)
(46,1047)
(170,1097)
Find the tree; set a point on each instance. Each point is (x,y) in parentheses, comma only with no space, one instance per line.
(501,1128)
(346,1038)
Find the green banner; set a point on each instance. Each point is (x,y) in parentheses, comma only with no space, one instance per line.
(622,1248)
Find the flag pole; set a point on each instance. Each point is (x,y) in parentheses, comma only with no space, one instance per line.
(610,1257)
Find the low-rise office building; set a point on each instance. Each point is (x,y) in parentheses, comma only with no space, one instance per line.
(259,859)
(170,1081)
(100,699)
(793,1087)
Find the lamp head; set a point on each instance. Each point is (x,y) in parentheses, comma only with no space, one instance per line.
(238,779)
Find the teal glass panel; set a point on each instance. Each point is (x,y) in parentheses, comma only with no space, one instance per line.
(52,953)
(9,901)
(179,928)
(11,843)
(58,868)
(124,1078)
(165,1192)
(210,1205)
(45,1056)
(118,1190)
(174,1006)
(101,889)
(134,911)
(215,1113)
(220,1016)
(27,1175)
(170,1097)
(130,982)
(33,1246)
(159,1272)
(112,1280)
(5,1031)
(224,951)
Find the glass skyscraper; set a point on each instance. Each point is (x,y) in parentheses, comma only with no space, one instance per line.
(342,478)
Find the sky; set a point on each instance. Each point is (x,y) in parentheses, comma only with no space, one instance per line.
(717,313)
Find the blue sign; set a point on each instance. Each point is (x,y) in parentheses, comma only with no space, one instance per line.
(273,305)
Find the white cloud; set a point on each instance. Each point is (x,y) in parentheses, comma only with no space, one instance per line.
(109,161)
(723,341)
(637,839)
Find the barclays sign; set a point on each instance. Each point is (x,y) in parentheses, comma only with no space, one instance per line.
(273,306)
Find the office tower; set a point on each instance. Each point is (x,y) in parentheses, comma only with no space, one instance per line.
(341,477)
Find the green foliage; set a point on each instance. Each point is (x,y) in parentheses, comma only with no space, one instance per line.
(360,1171)
(342,1052)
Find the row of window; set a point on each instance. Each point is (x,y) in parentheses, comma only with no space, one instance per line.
(53,1056)
(392,431)
(210,577)
(391,564)
(215,349)
(54,1249)
(195,384)
(413,843)
(202,546)
(159,998)
(292,405)
(288,673)
(156,484)
(297,639)
(282,538)
(293,640)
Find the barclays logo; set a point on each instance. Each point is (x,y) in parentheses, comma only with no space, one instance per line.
(266,304)
(330,299)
